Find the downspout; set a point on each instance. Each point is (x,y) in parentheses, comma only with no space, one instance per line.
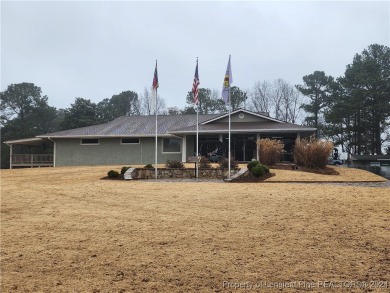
(54,151)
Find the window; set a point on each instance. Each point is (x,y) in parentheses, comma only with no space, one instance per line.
(130,140)
(89,141)
(171,145)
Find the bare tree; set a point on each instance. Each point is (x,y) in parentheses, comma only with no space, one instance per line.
(260,99)
(295,105)
(278,98)
(148,105)
(146,102)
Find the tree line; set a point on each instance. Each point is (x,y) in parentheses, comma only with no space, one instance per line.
(352,110)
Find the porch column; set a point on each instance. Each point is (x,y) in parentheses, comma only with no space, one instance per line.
(184,149)
(10,156)
(298,135)
(54,151)
(220,137)
(257,146)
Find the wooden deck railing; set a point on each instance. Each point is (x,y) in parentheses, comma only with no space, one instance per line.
(33,160)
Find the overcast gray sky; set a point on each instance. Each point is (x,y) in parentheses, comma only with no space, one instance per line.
(94,50)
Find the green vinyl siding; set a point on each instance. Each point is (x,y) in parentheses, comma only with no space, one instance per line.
(109,151)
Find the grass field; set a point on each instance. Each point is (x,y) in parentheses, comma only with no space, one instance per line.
(65,230)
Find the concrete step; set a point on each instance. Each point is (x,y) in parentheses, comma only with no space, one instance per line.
(127,174)
(238,174)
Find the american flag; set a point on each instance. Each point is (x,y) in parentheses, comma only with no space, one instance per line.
(155,78)
(195,85)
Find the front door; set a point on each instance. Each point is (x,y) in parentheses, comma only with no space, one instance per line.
(244,148)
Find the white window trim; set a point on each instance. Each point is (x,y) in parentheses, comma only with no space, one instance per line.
(162,146)
(81,141)
(130,143)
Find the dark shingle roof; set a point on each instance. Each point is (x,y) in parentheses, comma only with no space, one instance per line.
(176,124)
(134,126)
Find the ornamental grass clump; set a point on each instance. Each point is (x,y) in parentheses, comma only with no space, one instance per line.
(270,151)
(224,163)
(204,163)
(312,153)
(174,164)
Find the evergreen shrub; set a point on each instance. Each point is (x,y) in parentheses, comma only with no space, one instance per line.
(113,174)
(124,169)
(252,164)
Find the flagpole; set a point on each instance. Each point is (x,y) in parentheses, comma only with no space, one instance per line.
(226,90)
(195,86)
(156,136)
(229,105)
(197,139)
(155,86)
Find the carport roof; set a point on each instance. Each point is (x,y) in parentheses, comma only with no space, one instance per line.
(27,141)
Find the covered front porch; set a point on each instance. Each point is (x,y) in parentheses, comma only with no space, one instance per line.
(243,145)
(31,153)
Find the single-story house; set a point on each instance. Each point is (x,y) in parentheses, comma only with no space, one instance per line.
(131,139)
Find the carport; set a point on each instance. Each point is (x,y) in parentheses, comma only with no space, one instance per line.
(31,152)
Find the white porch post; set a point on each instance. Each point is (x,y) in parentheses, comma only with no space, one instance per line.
(298,135)
(257,146)
(184,149)
(10,156)
(221,137)
(54,153)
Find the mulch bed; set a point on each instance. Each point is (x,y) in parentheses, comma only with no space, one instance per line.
(112,178)
(252,179)
(293,167)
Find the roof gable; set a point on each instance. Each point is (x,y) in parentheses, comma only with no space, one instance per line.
(242,116)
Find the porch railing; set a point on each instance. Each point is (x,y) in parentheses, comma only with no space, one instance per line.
(32,160)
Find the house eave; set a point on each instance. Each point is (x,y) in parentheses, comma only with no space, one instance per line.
(26,141)
(103,136)
(292,130)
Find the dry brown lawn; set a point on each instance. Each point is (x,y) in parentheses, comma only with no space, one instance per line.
(65,230)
